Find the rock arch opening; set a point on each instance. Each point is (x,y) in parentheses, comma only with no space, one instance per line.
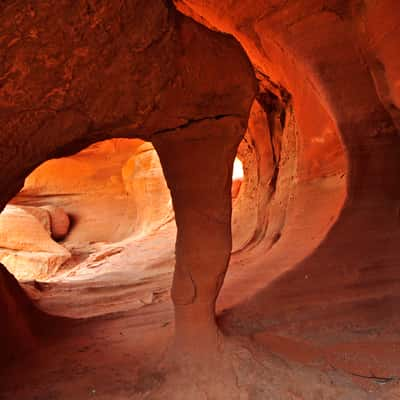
(102,195)
(237,177)
(97,219)
(308,103)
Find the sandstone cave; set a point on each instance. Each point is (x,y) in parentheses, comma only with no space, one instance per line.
(200,199)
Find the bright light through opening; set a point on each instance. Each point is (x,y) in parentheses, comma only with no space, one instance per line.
(237,170)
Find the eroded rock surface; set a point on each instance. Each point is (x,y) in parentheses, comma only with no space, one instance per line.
(137,69)
(314,277)
(26,245)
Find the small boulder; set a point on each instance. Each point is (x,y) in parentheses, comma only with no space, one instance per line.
(59,222)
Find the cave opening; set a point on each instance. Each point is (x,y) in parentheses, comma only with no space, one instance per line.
(304,95)
(237,177)
(102,217)
(97,219)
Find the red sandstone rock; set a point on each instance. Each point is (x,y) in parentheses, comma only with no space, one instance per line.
(59,222)
(145,183)
(17,315)
(136,97)
(26,247)
(317,216)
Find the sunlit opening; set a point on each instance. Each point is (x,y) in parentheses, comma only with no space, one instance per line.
(237,170)
(237,177)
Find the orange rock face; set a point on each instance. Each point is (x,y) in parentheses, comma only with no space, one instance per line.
(27,249)
(166,94)
(59,222)
(144,182)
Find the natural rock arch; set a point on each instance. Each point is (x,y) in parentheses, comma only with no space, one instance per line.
(335,59)
(281,41)
(133,70)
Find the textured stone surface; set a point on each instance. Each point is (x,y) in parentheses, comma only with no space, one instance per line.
(20,230)
(59,222)
(144,182)
(18,316)
(135,69)
(317,268)
(26,246)
(89,187)
(344,106)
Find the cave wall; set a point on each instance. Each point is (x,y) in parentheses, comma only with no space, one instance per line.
(145,71)
(118,180)
(18,317)
(337,61)
(73,74)
(94,169)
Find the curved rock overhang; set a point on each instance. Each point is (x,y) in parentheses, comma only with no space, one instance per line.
(327,83)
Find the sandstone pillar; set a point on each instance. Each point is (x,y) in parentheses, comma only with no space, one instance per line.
(197,163)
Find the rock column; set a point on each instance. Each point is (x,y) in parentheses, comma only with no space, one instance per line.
(198,164)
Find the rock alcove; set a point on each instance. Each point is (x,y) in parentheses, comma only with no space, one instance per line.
(305,94)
